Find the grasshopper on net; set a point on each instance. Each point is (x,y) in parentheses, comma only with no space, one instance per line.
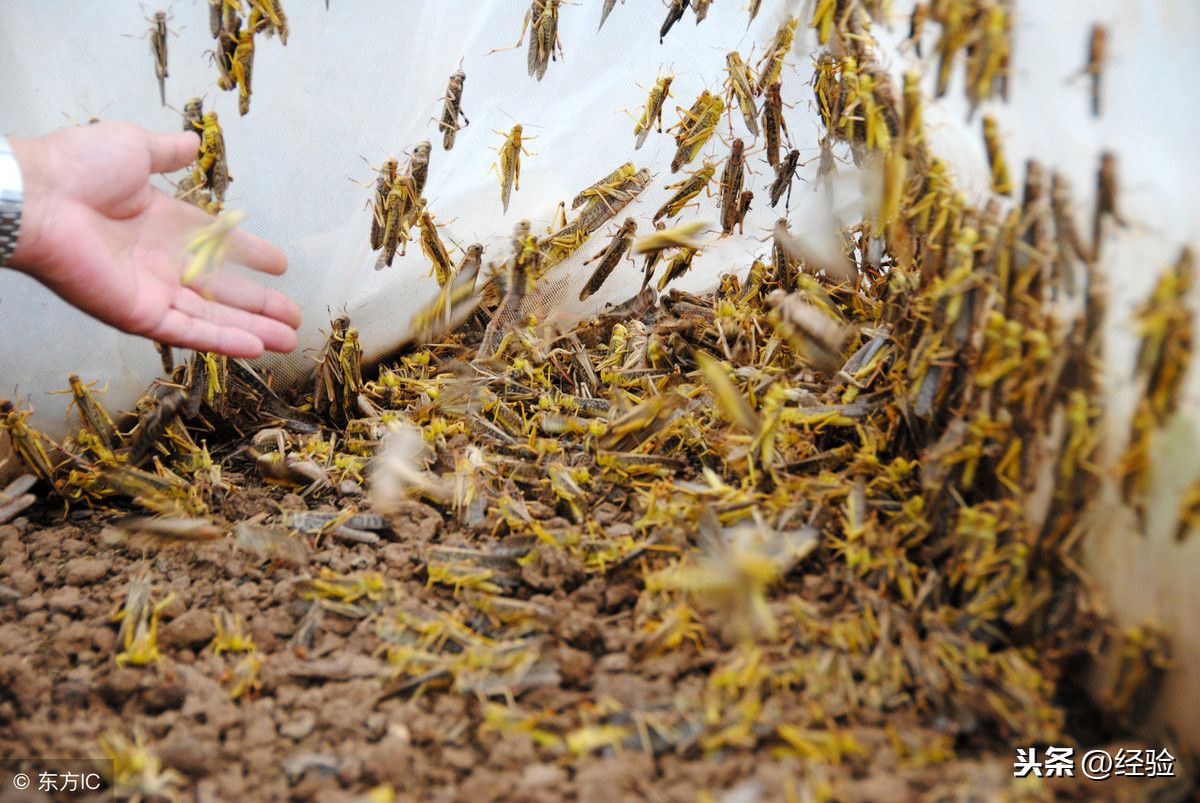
(609,257)
(652,113)
(509,168)
(741,89)
(733,178)
(452,109)
(686,190)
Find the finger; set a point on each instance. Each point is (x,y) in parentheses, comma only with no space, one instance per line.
(180,329)
(227,287)
(256,253)
(170,152)
(273,335)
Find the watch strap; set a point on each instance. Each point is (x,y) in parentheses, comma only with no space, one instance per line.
(12,196)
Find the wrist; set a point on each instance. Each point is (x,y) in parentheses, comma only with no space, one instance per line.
(30,158)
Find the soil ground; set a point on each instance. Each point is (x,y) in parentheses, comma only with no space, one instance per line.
(324,726)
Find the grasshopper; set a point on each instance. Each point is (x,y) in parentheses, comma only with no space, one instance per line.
(773,123)
(653,110)
(609,257)
(157,33)
(784,173)
(741,88)
(433,247)
(211,171)
(605,188)
(268,15)
(541,21)
(383,186)
(686,190)
(605,10)
(681,236)
(401,207)
(680,264)
(510,162)
(241,70)
(418,165)
(732,180)
(1096,56)
(695,128)
(770,68)
(1106,199)
(193,115)
(452,109)
(158,45)
(674,14)
(1001,181)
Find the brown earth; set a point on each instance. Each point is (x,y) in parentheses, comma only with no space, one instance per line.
(330,725)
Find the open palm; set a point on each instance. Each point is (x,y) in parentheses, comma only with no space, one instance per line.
(99,235)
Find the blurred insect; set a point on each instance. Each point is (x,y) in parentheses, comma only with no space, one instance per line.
(674,14)
(753,9)
(686,190)
(773,123)
(695,127)
(682,235)
(652,113)
(741,88)
(989,53)
(770,68)
(1106,199)
(193,115)
(153,423)
(729,400)
(242,679)
(651,262)
(208,249)
(510,162)
(700,8)
(916,27)
(1001,181)
(784,173)
(230,634)
(268,16)
(452,109)
(136,773)
(242,69)
(733,178)
(139,624)
(13,496)
(454,302)
(810,330)
(609,257)
(605,10)
(433,247)
(1097,55)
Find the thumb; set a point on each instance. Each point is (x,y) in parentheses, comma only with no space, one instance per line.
(171,151)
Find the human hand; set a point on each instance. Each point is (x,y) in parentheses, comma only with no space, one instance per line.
(97,233)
